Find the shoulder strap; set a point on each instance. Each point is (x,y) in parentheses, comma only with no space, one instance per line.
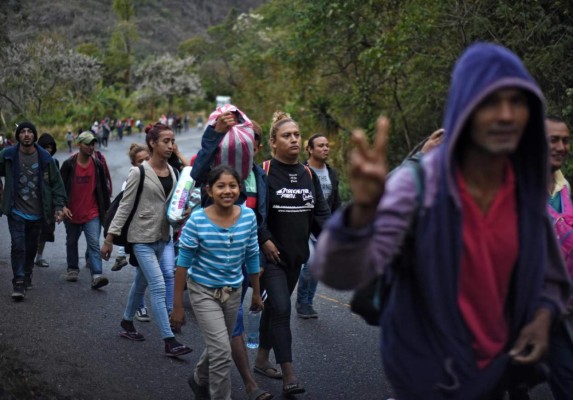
(308,170)
(266,166)
(137,194)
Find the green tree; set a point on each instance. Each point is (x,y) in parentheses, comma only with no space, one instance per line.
(120,58)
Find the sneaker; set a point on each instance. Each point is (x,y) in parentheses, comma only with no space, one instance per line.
(99,282)
(175,349)
(120,262)
(312,311)
(28,282)
(72,275)
(41,263)
(304,311)
(19,291)
(142,315)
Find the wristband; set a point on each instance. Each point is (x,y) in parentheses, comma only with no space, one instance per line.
(108,242)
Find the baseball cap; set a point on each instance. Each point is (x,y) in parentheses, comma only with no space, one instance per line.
(86,137)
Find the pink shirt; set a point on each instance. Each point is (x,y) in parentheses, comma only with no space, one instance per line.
(489,254)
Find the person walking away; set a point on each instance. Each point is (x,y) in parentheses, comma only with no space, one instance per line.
(214,277)
(47,142)
(89,198)
(69,140)
(296,208)
(318,149)
(474,271)
(560,208)
(32,195)
(149,233)
(253,194)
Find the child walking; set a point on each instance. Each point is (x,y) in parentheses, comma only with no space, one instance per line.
(216,241)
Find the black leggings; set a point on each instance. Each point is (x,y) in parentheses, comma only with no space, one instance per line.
(279,281)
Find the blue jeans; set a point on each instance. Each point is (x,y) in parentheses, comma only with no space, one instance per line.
(92,231)
(167,265)
(561,362)
(239,325)
(25,235)
(149,273)
(306,282)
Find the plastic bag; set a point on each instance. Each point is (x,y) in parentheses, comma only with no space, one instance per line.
(182,197)
(236,148)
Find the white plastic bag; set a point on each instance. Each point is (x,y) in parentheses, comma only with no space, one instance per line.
(184,195)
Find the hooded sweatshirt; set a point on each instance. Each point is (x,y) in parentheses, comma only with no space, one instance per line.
(426,345)
(46,139)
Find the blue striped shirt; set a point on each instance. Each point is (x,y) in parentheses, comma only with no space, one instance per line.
(214,255)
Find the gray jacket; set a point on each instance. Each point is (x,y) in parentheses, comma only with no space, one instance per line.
(149,222)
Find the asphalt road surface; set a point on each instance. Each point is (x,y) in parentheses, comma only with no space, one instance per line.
(62,342)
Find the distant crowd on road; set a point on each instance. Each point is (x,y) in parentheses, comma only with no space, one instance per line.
(468,244)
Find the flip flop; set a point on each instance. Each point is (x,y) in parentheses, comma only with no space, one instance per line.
(135,336)
(260,394)
(269,372)
(293,388)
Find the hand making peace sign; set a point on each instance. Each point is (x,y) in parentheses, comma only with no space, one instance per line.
(368,170)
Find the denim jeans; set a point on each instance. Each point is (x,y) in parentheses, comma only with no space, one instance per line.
(92,231)
(149,274)
(167,265)
(306,282)
(25,235)
(561,362)
(279,281)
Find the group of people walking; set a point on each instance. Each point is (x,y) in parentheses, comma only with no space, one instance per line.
(469,314)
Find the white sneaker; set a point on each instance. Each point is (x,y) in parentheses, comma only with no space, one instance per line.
(142,315)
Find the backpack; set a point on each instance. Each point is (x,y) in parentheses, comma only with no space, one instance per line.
(563,227)
(369,301)
(121,239)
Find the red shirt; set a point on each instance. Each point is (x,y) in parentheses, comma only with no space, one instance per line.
(83,203)
(490,250)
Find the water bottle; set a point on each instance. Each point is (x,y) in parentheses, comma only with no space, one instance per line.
(254,319)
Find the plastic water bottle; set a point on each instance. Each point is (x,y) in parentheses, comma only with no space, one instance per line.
(253,322)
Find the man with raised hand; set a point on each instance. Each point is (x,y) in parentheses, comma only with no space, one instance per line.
(469,314)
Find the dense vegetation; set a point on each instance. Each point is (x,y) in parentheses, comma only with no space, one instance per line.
(333,64)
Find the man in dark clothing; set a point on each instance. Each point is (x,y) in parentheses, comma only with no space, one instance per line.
(85,183)
(47,142)
(468,315)
(34,195)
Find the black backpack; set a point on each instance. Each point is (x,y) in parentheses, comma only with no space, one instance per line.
(121,239)
(369,301)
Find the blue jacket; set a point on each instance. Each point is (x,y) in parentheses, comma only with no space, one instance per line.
(203,163)
(51,185)
(426,345)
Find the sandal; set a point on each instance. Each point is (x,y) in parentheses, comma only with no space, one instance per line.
(269,372)
(293,388)
(133,335)
(260,394)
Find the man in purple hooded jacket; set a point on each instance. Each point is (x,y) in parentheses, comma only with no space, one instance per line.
(470,314)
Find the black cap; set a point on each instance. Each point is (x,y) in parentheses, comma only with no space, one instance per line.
(28,125)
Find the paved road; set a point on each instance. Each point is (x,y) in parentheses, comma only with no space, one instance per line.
(67,333)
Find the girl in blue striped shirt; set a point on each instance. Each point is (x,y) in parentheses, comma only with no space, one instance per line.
(214,244)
